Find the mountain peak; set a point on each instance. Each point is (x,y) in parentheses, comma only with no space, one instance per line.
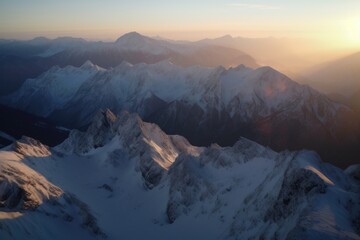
(28,146)
(272,74)
(136,42)
(40,40)
(103,118)
(129,36)
(241,67)
(87,64)
(228,36)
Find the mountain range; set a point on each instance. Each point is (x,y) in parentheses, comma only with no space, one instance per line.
(206,105)
(20,60)
(125,178)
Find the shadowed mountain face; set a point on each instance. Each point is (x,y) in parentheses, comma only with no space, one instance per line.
(206,105)
(16,123)
(354,101)
(20,60)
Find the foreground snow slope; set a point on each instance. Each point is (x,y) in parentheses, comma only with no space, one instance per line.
(33,208)
(141,183)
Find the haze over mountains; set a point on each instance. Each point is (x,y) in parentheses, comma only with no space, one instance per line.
(20,60)
(159,139)
(339,79)
(296,57)
(340,76)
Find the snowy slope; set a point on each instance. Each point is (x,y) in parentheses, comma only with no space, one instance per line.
(141,183)
(54,88)
(32,207)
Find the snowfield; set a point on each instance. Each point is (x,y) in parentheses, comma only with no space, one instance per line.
(124,178)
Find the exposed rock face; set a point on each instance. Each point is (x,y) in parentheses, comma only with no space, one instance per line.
(298,186)
(100,132)
(30,147)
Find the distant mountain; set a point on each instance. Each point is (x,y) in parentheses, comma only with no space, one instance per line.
(289,55)
(353,102)
(123,174)
(20,60)
(136,42)
(340,76)
(206,105)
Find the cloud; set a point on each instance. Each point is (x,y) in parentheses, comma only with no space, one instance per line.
(254,6)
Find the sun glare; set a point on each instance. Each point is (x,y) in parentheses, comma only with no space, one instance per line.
(353,32)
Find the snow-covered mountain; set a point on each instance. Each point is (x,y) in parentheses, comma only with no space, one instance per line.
(56,89)
(126,179)
(206,105)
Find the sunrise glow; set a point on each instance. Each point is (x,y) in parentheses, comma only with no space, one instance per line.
(334,22)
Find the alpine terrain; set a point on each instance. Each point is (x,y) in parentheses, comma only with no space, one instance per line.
(124,178)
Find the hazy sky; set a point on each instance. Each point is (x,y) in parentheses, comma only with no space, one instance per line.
(336,21)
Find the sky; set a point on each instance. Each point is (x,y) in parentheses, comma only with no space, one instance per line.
(335,22)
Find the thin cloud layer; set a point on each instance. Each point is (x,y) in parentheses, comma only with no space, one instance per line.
(254,6)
